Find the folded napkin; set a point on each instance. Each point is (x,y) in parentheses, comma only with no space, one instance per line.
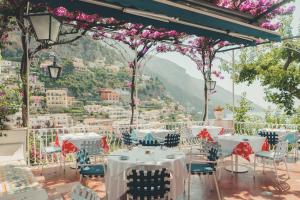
(133,136)
(290,138)
(148,138)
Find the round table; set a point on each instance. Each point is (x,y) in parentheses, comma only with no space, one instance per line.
(158,134)
(212,130)
(229,142)
(115,179)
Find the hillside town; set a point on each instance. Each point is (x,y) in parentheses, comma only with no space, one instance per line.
(149,99)
(52,107)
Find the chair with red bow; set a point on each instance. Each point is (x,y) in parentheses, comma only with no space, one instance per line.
(49,150)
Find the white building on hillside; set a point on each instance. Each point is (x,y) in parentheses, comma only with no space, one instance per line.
(93,109)
(57,98)
(51,120)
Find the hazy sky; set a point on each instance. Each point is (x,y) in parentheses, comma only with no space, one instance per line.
(255,91)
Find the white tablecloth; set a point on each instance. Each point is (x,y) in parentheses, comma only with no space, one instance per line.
(213,130)
(158,134)
(18,183)
(229,142)
(78,138)
(116,169)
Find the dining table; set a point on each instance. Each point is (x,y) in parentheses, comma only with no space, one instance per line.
(72,142)
(158,134)
(209,132)
(242,146)
(172,159)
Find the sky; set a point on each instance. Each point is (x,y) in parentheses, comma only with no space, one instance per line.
(255,92)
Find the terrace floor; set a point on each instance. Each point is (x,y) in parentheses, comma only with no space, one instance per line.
(233,187)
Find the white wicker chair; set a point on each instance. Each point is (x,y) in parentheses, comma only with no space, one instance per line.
(52,150)
(79,192)
(278,155)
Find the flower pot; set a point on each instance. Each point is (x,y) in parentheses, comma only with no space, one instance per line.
(219,114)
(8,126)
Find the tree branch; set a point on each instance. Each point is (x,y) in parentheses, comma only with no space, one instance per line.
(47,46)
(288,61)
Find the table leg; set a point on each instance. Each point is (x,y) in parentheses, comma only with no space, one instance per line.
(237,168)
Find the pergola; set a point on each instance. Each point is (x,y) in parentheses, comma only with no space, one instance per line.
(193,17)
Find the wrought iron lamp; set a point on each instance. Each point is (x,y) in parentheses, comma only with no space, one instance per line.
(46,27)
(54,70)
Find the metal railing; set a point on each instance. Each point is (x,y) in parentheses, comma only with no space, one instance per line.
(41,138)
(251,128)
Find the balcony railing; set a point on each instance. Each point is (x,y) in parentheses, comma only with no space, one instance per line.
(250,128)
(40,138)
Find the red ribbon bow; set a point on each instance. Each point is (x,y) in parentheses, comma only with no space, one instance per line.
(243,149)
(265,146)
(222,131)
(204,134)
(56,143)
(68,147)
(104,143)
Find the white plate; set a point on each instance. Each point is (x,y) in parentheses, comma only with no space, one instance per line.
(124,157)
(170,156)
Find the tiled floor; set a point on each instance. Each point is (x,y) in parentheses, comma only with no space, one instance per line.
(237,186)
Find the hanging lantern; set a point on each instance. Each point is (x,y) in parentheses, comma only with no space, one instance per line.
(46,27)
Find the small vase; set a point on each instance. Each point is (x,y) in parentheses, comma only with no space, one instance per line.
(219,115)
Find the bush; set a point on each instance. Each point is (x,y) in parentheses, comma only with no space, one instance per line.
(10,102)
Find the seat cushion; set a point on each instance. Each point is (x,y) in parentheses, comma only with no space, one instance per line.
(265,154)
(96,170)
(201,168)
(50,150)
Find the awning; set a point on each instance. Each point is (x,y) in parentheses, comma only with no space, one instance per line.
(172,15)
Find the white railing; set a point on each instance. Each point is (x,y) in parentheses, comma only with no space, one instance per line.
(251,128)
(40,138)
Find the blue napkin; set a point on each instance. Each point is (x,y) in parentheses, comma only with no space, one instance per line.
(149,138)
(133,136)
(290,138)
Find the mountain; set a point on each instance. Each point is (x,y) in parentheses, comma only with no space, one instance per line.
(85,48)
(185,89)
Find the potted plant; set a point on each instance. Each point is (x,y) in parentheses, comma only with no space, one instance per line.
(10,103)
(219,112)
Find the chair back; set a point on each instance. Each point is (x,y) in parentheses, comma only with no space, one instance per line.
(210,150)
(80,192)
(92,147)
(149,143)
(82,157)
(281,150)
(126,138)
(272,137)
(148,182)
(213,153)
(172,140)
